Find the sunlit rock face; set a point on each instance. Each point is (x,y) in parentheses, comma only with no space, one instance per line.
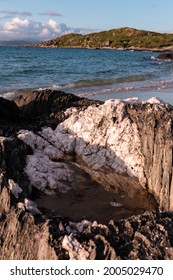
(122,144)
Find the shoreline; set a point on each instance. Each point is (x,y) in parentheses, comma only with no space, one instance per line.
(165,94)
(163,49)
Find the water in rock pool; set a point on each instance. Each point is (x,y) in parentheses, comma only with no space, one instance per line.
(88,200)
(104,74)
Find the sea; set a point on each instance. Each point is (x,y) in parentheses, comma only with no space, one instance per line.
(94,73)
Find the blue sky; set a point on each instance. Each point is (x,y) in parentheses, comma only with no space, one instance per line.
(42,19)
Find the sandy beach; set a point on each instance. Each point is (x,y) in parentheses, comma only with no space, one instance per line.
(165,94)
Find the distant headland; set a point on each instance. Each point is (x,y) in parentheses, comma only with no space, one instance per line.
(122,38)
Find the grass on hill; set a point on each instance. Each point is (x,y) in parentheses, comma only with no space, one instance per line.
(115,38)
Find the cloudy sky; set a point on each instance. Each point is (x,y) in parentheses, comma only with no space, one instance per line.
(46,19)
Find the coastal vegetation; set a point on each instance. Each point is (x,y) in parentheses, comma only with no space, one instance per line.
(121,38)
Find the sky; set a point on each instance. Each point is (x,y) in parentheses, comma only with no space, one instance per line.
(47,19)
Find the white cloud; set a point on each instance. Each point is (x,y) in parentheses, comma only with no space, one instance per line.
(19,28)
(16,24)
(44,33)
(54,26)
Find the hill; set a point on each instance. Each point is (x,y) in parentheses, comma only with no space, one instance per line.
(121,38)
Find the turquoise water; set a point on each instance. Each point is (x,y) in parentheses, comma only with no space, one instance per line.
(90,73)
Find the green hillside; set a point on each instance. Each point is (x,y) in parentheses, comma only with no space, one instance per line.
(127,38)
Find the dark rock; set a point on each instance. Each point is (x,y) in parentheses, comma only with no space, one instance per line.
(10,117)
(13,153)
(47,107)
(21,238)
(47,101)
(8,110)
(38,109)
(165,56)
(151,239)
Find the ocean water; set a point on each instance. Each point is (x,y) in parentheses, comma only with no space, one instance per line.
(99,74)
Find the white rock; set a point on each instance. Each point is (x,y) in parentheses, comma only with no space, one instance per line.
(115,204)
(104,137)
(132,100)
(95,224)
(74,248)
(79,227)
(31,207)
(42,169)
(155,100)
(14,187)
(21,206)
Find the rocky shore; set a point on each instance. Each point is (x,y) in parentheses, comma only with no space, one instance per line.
(83,179)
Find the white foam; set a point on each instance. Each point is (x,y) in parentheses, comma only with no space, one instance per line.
(9,95)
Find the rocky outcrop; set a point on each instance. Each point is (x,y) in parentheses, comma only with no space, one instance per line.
(22,239)
(165,56)
(156,147)
(118,143)
(140,237)
(123,146)
(47,107)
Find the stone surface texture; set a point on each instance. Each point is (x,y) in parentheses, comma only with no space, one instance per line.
(123,145)
(119,143)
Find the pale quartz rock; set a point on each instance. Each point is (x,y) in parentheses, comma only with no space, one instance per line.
(115,204)
(36,142)
(103,137)
(14,188)
(95,224)
(68,229)
(31,207)
(136,100)
(74,248)
(45,173)
(93,136)
(132,100)
(155,100)
(108,143)
(21,206)
(79,227)
(59,140)
(70,111)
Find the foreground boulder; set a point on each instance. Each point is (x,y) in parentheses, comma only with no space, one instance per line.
(47,107)
(146,237)
(121,144)
(125,146)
